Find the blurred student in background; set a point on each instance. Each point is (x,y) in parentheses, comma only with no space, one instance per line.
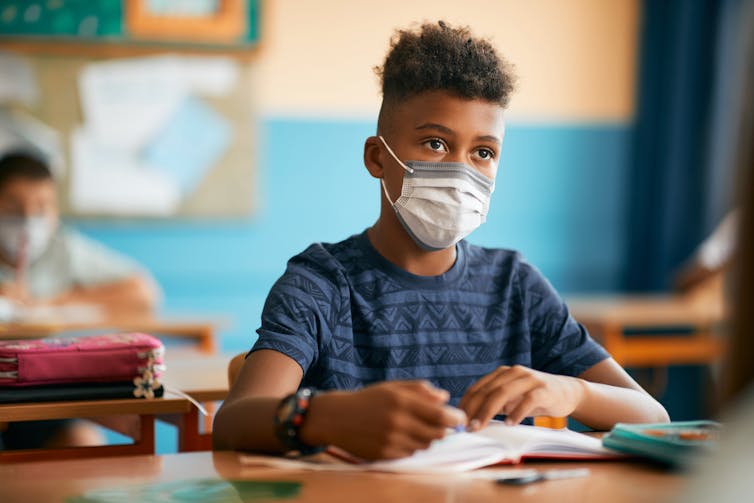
(45,264)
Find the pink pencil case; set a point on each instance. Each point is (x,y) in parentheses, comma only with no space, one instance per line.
(96,358)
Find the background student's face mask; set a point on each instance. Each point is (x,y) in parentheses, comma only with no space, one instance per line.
(441,202)
(32,234)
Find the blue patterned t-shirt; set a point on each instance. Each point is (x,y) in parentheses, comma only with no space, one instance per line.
(349,318)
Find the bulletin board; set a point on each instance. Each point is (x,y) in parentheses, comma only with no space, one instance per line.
(88,26)
(226,188)
(60,39)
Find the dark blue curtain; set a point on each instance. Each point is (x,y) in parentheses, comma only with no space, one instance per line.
(694,80)
(670,150)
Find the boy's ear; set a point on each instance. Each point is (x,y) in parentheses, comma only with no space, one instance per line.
(373,157)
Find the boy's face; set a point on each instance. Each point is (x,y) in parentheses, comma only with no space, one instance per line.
(23,197)
(28,219)
(436,126)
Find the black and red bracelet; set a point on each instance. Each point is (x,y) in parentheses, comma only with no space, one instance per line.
(289,418)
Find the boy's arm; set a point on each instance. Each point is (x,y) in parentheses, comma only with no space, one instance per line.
(612,396)
(246,418)
(599,397)
(132,294)
(386,420)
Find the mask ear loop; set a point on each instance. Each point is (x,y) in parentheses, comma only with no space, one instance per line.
(384,189)
(390,151)
(382,180)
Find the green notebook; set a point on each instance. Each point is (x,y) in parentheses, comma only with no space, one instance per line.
(675,444)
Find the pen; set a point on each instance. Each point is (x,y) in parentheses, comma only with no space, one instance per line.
(544,475)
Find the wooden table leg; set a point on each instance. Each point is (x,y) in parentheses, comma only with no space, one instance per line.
(189,437)
(207,340)
(613,340)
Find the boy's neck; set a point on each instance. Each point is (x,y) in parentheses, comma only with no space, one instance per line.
(394,244)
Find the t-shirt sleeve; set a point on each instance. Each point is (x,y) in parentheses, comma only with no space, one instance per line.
(92,263)
(560,345)
(298,314)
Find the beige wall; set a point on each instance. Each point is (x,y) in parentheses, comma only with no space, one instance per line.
(575,58)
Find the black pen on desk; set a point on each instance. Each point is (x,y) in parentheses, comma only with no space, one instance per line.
(538,476)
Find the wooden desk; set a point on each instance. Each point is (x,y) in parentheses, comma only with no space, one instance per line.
(608,318)
(139,426)
(202,332)
(205,379)
(202,377)
(57,481)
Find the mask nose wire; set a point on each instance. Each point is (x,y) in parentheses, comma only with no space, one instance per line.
(390,151)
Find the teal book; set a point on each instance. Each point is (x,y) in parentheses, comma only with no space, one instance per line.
(675,444)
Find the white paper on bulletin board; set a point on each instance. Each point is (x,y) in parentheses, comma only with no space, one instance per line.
(156,136)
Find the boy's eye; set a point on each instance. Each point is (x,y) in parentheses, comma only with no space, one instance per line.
(485,154)
(436,145)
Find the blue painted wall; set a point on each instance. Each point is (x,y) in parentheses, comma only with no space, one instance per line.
(559,199)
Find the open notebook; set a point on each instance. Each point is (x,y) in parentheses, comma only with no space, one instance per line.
(459,452)
(498,443)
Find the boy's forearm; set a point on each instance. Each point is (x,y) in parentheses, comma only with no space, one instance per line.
(603,405)
(246,424)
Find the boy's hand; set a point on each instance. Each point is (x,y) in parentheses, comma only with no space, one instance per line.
(383,421)
(519,392)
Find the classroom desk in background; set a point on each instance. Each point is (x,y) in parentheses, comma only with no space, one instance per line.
(200,332)
(653,331)
(202,377)
(60,480)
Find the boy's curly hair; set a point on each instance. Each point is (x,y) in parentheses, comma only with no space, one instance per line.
(439,57)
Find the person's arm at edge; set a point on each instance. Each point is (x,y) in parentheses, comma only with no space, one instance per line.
(609,395)
(134,293)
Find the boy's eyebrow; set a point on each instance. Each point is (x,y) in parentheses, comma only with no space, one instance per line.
(489,137)
(448,131)
(439,127)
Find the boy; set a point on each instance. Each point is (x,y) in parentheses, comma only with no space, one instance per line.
(44,264)
(380,332)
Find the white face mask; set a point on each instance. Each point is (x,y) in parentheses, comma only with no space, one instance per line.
(441,202)
(24,236)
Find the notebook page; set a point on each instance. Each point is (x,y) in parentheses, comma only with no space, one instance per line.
(536,440)
(458,452)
